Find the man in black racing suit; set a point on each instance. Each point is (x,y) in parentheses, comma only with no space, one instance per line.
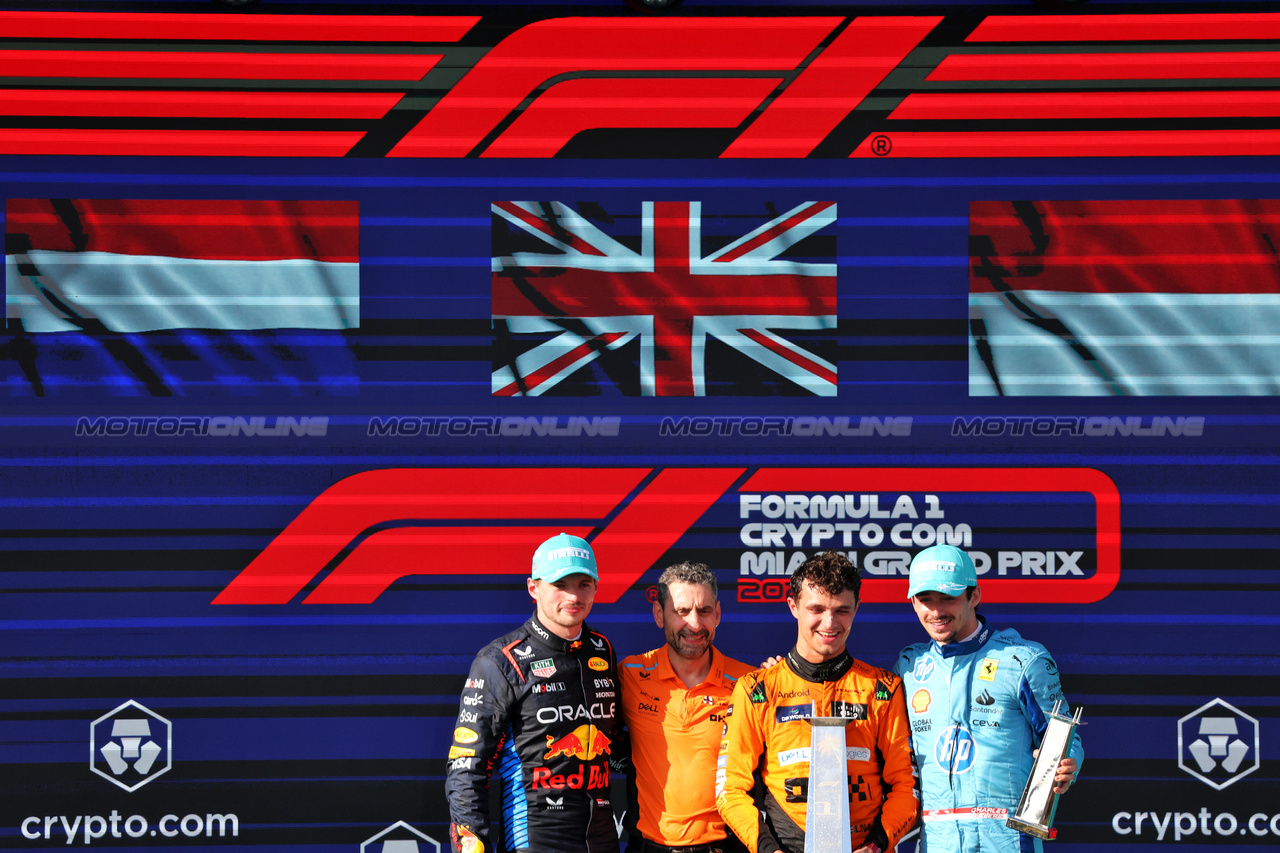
(537,714)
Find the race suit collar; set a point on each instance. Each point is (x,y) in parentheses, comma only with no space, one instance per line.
(551,641)
(830,670)
(968,647)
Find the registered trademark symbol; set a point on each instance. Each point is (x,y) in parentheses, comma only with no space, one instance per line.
(881,146)
(651,594)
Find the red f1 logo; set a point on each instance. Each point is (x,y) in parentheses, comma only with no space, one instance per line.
(475,521)
(402,522)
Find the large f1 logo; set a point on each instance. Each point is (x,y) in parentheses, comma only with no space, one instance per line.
(477,521)
(374,528)
(578,88)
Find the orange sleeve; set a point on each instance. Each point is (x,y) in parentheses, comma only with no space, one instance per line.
(740,750)
(901,808)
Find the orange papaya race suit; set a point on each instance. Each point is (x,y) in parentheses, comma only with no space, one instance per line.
(767,738)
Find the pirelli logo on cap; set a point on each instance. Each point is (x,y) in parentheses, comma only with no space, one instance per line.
(562,553)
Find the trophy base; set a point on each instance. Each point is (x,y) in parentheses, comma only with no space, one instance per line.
(1038,830)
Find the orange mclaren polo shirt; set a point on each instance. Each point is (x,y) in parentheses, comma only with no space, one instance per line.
(675,738)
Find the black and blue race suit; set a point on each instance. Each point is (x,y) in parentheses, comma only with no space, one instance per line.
(536,715)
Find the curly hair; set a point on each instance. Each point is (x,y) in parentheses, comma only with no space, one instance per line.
(691,573)
(831,572)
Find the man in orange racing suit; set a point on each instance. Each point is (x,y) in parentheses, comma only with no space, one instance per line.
(766,735)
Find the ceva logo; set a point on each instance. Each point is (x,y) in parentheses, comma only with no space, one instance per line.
(130,745)
(1218,744)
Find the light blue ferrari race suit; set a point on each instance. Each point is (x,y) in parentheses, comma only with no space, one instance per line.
(977,711)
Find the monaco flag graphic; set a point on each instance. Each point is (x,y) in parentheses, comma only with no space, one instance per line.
(663,301)
(145,265)
(1161,297)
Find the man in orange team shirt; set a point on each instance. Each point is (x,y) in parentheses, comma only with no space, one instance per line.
(674,700)
(768,735)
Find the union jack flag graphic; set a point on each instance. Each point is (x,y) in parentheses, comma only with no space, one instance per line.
(669,303)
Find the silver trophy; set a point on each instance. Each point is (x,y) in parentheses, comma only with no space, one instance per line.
(1038,804)
(827,826)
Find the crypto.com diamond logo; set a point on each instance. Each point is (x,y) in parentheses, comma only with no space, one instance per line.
(1214,742)
(404,839)
(130,746)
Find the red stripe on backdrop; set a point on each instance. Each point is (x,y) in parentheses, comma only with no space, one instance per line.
(386,556)
(203,229)
(1086,105)
(176,65)
(835,82)
(284,105)
(1058,28)
(573,106)
(1195,246)
(653,521)
(1107,66)
(1075,143)
(179,143)
(211,27)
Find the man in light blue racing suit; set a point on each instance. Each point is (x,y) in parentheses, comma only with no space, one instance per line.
(978,700)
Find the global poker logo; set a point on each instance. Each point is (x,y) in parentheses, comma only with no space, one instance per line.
(130,745)
(1218,744)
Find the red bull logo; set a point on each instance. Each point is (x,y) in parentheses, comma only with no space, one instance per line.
(589,776)
(583,743)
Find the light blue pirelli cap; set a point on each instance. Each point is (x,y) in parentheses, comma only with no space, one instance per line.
(942,568)
(563,555)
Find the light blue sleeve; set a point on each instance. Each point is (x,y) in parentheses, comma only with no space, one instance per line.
(1040,688)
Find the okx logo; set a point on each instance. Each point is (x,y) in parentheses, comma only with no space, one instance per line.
(130,746)
(1218,744)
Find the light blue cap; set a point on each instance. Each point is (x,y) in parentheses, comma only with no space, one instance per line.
(942,568)
(563,555)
